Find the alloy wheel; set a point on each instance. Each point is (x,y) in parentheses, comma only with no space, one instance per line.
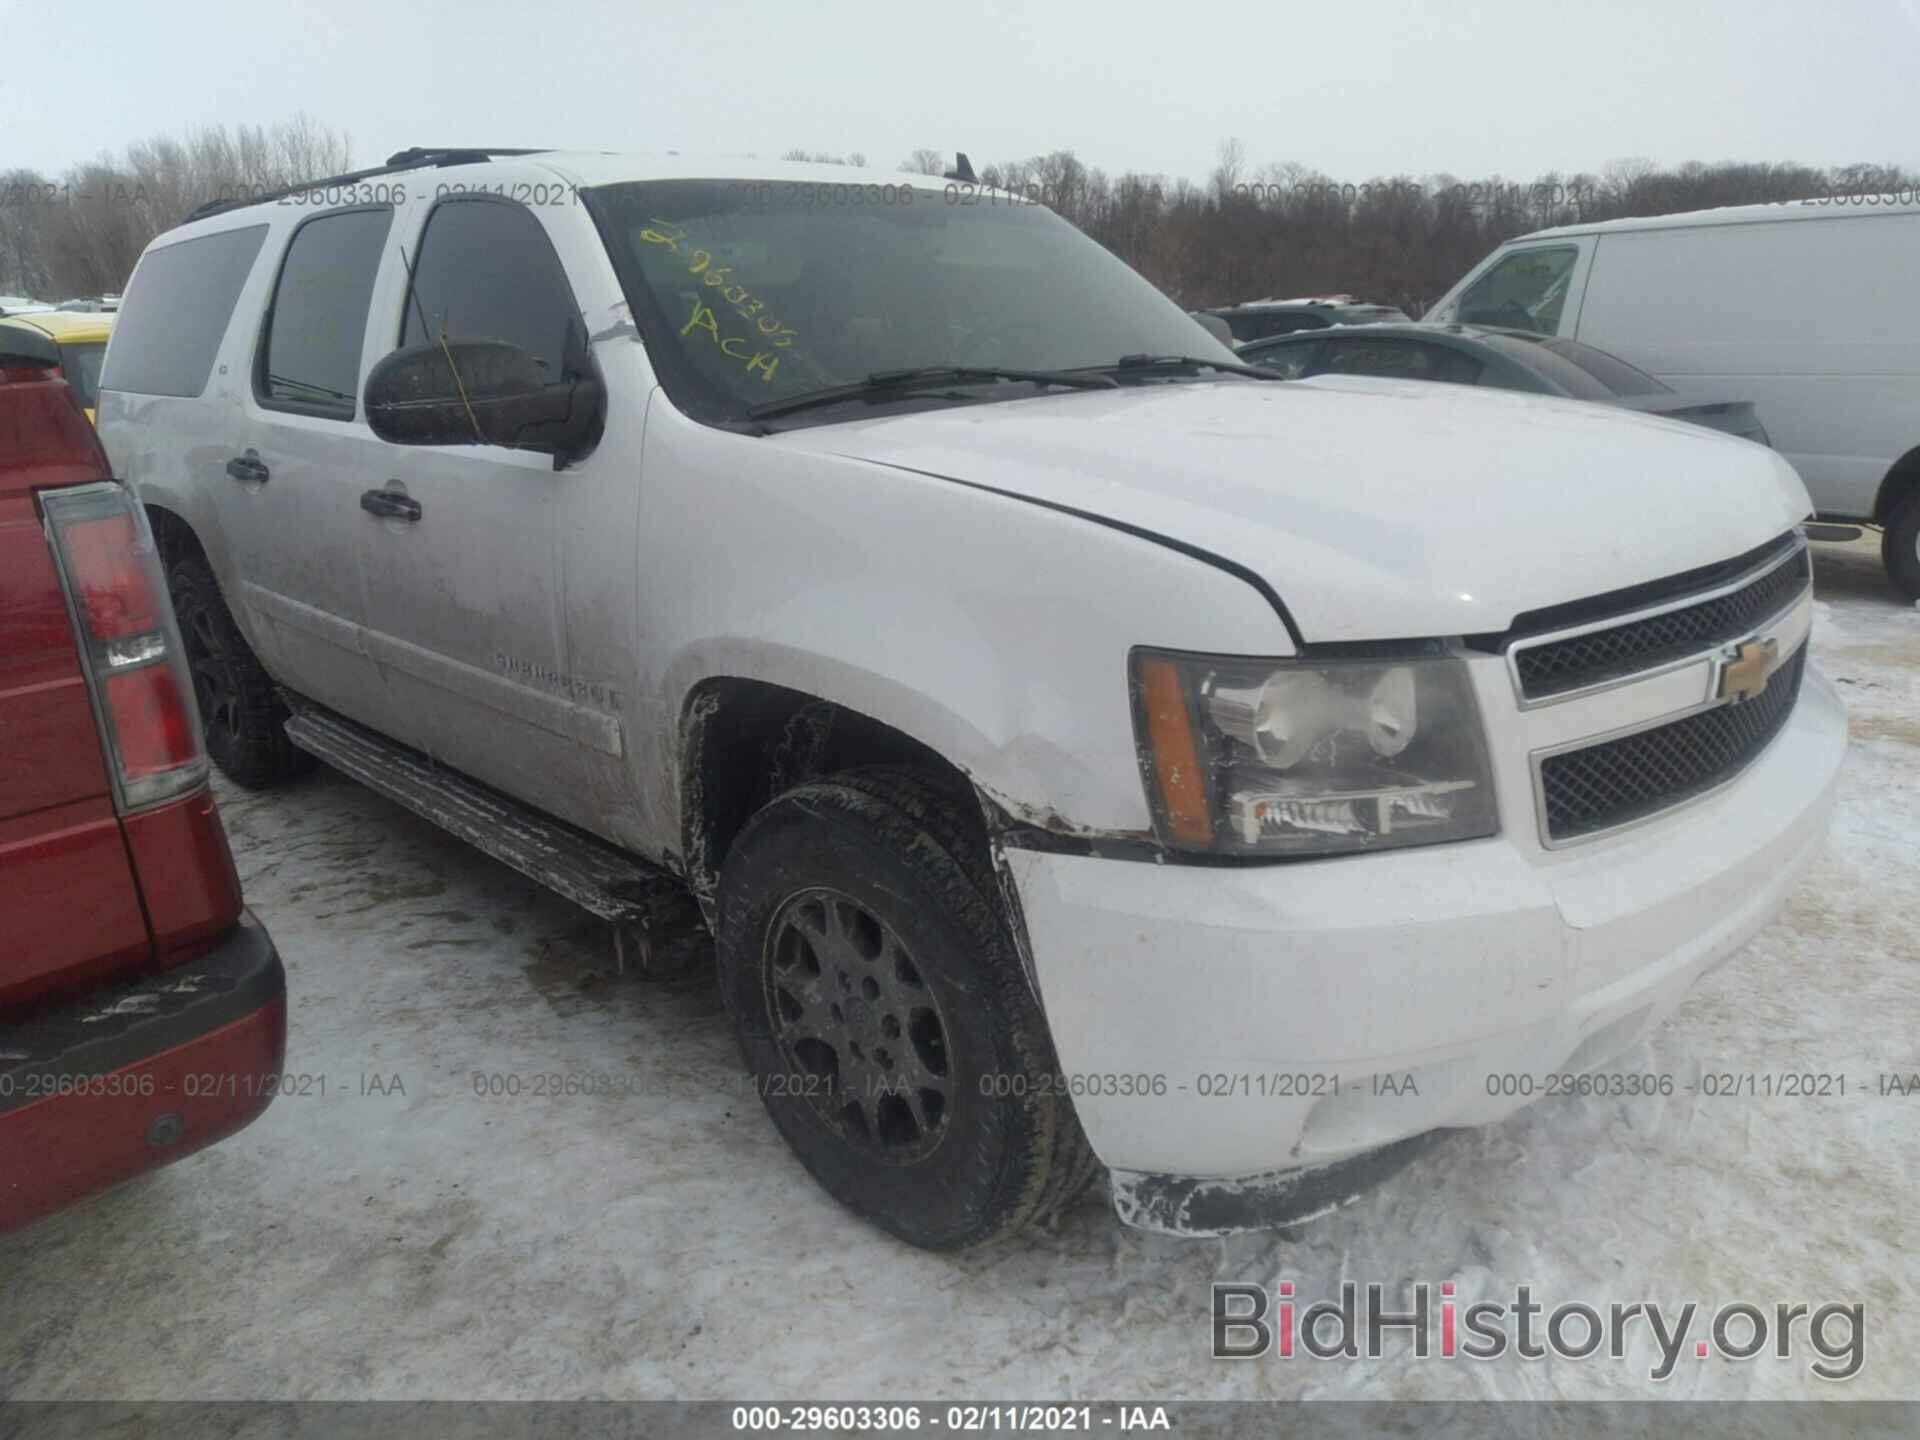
(859,1027)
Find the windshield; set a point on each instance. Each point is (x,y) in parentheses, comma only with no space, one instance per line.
(81,366)
(750,292)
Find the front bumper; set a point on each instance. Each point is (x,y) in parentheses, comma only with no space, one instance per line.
(125,1079)
(1239,1023)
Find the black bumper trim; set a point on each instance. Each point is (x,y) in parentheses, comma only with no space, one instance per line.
(1202,1206)
(120,1025)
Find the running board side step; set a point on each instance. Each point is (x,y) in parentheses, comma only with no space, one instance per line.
(620,888)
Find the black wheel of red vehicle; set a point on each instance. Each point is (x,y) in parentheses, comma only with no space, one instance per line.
(883,1011)
(242,713)
(1900,546)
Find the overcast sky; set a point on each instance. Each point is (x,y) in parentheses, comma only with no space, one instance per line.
(1354,88)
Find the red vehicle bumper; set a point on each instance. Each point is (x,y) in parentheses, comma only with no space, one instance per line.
(132,1077)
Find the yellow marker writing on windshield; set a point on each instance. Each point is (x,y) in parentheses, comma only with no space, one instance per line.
(759,362)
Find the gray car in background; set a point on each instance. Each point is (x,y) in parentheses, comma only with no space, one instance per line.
(1503,359)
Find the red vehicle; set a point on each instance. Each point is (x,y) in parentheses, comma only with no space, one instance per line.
(142,1008)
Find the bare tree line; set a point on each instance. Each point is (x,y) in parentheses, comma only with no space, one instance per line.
(80,233)
(1243,233)
(1284,230)
(1249,233)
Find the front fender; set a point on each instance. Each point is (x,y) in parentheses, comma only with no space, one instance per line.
(992,630)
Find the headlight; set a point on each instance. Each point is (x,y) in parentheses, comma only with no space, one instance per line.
(1265,757)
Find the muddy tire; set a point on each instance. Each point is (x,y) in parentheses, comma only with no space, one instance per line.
(938,806)
(1900,547)
(240,710)
(882,1009)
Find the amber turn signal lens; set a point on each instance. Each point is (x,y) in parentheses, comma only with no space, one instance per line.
(1176,758)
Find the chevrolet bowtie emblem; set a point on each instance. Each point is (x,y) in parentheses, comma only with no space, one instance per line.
(1745,675)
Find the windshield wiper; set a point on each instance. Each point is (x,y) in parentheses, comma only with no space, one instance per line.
(883,384)
(1145,364)
(325,392)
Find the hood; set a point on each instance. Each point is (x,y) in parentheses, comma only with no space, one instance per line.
(1375,509)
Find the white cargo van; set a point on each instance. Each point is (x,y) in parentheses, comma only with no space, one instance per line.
(1808,309)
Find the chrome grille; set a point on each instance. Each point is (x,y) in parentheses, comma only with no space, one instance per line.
(1618,781)
(1556,667)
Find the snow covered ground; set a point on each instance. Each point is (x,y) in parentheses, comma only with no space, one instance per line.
(403,1236)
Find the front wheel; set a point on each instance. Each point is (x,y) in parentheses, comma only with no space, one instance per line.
(1900,546)
(884,1014)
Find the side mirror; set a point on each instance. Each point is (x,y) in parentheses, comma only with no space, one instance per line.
(480,392)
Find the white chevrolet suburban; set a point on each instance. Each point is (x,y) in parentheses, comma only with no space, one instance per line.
(1082,748)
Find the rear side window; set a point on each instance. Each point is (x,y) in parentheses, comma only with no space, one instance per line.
(1292,361)
(1610,370)
(175,311)
(1372,315)
(1263,324)
(488,272)
(1562,371)
(81,366)
(310,355)
(1400,359)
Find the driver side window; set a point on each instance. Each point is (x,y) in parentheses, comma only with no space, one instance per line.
(486,271)
(1525,291)
(1400,360)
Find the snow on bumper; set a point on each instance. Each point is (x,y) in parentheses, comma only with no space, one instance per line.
(1223,1022)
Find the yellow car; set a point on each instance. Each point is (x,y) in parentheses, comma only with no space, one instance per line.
(76,341)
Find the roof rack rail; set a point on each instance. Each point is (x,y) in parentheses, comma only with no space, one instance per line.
(416,157)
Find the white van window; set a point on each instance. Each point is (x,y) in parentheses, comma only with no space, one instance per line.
(1525,291)
(176,309)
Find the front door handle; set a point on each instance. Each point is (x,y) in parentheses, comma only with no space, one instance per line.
(248,467)
(389,504)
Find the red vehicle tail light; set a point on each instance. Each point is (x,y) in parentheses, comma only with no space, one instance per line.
(116,596)
(136,667)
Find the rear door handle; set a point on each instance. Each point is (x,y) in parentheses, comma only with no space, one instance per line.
(390,504)
(248,467)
